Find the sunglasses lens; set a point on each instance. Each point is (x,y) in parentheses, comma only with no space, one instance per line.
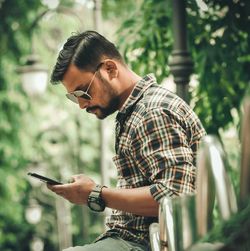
(72,97)
(82,94)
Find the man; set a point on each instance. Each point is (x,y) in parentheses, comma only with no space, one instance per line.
(157,135)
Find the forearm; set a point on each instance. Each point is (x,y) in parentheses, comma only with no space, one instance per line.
(135,200)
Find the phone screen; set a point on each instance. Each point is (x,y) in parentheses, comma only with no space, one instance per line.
(45,179)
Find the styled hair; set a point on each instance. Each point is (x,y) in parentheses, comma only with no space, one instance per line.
(85,51)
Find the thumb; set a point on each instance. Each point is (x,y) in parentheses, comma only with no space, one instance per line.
(71,179)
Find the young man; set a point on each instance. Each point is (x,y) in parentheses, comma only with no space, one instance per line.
(157,136)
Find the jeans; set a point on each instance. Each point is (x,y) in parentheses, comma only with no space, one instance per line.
(110,244)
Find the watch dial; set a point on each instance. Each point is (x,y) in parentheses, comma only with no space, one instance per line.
(95,206)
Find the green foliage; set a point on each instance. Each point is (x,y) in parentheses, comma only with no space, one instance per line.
(13,232)
(221,55)
(234,233)
(118,8)
(146,38)
(32,136)
(219,44)
(14,29)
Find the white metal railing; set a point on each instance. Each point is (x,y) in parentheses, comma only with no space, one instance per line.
(212,178)
(184,219)
(154,237)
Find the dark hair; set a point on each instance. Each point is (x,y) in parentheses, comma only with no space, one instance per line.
(84,50)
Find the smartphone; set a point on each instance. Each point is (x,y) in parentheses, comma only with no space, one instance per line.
(45,179)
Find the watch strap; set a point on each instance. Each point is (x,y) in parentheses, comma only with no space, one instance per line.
(96,192)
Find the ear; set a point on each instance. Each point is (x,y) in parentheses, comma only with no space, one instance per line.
(111,68)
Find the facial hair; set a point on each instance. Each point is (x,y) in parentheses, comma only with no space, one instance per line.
(113,104)
(105,111)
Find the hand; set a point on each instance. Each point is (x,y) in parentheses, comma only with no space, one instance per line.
(77,191)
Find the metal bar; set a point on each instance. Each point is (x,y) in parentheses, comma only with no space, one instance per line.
(164,224)
(245,154)
(177,222)
(154,232)
(180,61)
(211,174)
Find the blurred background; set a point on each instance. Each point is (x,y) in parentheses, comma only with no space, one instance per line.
(40,131)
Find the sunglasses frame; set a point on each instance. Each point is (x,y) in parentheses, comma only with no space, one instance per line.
(73,96)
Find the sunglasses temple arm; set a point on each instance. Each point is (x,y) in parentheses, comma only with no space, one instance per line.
(92,80)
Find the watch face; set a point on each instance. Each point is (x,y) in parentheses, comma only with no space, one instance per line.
(95,207)
(96,204)
(95,201)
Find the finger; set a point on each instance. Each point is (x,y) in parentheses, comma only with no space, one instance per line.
(51,187)
(54,188)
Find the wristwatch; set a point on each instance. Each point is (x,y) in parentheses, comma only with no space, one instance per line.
(95,201)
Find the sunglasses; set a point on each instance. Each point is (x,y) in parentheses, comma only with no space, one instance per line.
(73,96)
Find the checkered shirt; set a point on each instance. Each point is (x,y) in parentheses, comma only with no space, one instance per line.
(157,136)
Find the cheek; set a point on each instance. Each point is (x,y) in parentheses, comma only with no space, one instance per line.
(105,92)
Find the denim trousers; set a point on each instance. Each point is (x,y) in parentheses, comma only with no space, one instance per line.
(110,244)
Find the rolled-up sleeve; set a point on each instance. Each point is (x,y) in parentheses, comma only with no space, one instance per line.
(162,151)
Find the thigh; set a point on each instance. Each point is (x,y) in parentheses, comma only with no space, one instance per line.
(109,244)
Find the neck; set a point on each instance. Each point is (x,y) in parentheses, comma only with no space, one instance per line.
(129,80)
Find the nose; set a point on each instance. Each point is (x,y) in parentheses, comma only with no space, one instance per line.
(83,103)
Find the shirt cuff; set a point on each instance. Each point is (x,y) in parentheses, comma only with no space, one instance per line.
(159,190)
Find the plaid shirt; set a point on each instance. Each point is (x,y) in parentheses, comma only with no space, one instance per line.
(157,136)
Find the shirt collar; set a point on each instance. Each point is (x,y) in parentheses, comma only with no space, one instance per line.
(140,87)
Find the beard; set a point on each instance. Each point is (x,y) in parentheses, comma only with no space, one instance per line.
(102,112)
(112,105)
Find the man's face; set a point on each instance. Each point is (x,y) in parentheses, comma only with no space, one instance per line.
(104,99)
